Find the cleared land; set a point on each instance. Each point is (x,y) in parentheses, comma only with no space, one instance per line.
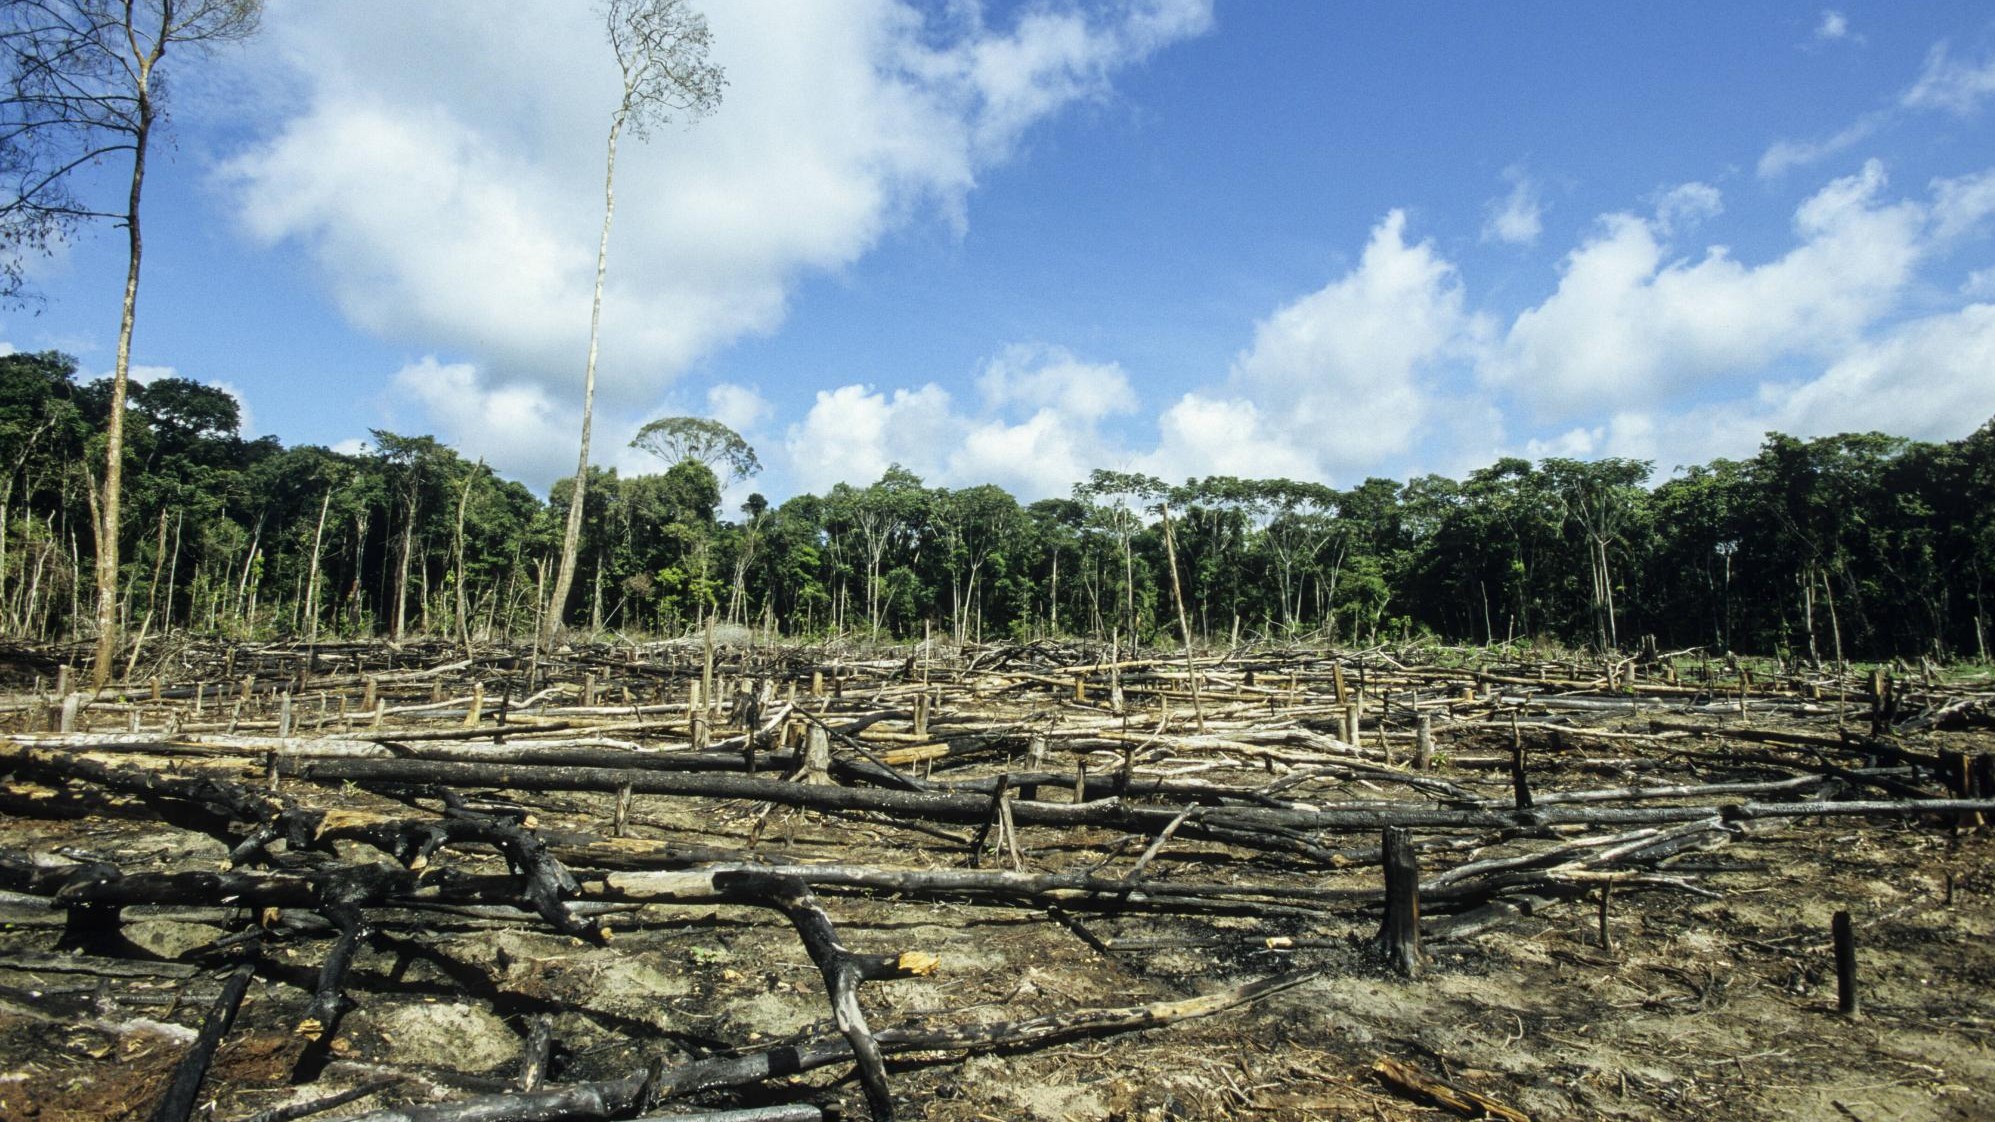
(1037,881)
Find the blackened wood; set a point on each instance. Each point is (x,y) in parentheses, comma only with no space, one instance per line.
(984,832)
(177,1104)
(1845,939)
(1399,935)
(617,1097)
(539,1048)
(841,969)
(1520,783)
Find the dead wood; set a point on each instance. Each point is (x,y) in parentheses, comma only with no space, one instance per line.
(360,849)
(177,1104)
(1469,1104)
(612,1098)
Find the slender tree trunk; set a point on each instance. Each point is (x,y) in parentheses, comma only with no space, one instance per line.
(1808,613)
(596,601)
(1054,599)
(1129,588)
(1607,598)
(172,575)
(1184,623)
(1835,625)
(360,521)
(571,536)
(457,544)
(158,566)
(114,428)
(401,618)
(312,585)
(255,589)
(249,560)
(426,627)
(6,496)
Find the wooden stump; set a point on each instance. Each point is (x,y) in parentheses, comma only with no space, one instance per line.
(1399,934)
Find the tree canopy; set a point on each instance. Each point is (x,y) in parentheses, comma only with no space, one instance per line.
(1856,545)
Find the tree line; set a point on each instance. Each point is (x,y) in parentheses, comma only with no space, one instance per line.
(1858,545)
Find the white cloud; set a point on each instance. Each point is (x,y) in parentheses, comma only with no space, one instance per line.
(1629,324)
(741,408)
(1833,27)
(1962,203)
(1924,379)
(853,433)
(444,171)
(352,446)
(1683,206)
(1516,218)
(1043,455)
(1980,284)
(1928,379)
(1202,435)
(1947,83)
(1574,444)
(1943,83)
(1783,156)
(1631,434)
(1039,431)
(1333,382)
(1337,374)
(1043,377)
(515,424)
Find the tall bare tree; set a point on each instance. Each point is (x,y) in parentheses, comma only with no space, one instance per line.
(84,86)
(661,52)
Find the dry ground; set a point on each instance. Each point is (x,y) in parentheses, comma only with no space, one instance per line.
(1715,999)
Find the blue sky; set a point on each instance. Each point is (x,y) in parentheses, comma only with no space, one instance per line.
(1012,243)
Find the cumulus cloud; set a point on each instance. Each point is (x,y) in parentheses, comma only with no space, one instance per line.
(1641,350)
(1516,218)
(853,433)
(1337,375)
(1631,324)
(444,170)
(1686,204)
(1961,204)
(1335,382)
(1038,431)
(1043,377)
(1201,435)
(741,408)
(516,424)
(1927,379)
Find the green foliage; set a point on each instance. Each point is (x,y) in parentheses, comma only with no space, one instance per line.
(1865,544)
(699,440)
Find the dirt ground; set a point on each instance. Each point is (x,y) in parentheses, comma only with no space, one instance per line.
(1714,998)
